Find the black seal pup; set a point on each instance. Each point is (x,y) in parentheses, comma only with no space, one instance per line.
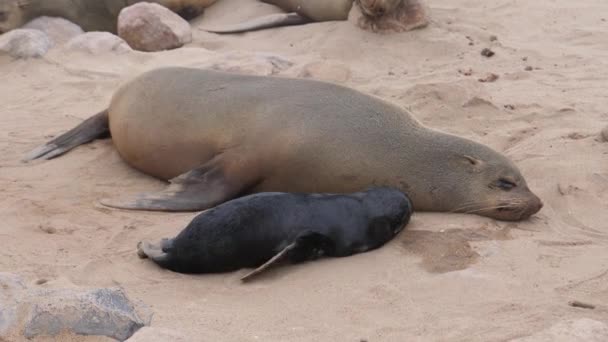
(261,229)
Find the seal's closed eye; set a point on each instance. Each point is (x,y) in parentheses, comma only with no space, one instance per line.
(505,184)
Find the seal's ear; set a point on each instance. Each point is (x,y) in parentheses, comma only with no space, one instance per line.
(472,160)
(471,163)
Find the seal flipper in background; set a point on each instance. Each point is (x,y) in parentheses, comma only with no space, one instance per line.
(307,246)
(198,189)
(267,21)
(95,127)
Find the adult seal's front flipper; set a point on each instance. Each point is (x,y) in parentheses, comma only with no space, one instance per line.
(198,189)
(268,21)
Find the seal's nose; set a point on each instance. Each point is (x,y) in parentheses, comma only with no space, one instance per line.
(537,204)
(534,205)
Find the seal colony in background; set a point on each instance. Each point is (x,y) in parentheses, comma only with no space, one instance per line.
(216,136)
(373,15)
(263,229)
(90,15)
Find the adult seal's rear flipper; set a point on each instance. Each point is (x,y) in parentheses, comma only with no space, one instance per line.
(268,21)
(95,127)
(198,189)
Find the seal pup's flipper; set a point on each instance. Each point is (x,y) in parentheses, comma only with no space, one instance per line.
(307,246)
(95,127)
(278,257)
(198,189)
(154,252)
(268,21)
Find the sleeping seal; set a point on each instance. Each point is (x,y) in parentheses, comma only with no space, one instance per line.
(261,229)
(373,15)
(90,15)
(217,136)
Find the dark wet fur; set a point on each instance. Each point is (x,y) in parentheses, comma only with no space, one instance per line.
(248,231)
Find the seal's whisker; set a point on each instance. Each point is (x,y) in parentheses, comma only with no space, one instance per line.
(465,206)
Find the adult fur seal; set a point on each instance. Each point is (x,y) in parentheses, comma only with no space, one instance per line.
(374,15)
(90,15)
(218,135)
(261,229)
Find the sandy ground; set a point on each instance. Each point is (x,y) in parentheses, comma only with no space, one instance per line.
(449,277)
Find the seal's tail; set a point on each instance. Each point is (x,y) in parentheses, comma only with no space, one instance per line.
(92,128)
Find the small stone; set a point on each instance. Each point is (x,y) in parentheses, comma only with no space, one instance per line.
(251,64)
(326,71)
(487,52)
(25,43)
(47,229)
(98,43)
(152,27)
(41,281)
(490,77)
(509,106)
(98,312)
(466,72)
(58,30)
(604,134)
(493,38)
(528,68)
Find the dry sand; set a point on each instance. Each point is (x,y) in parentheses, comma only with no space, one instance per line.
(449,277)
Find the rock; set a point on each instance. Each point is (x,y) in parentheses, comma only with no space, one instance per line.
(487,52)
(11,290)
(100,312)
(326,71)
(153,334)
(58,30)
(98,42)
(25,43)
(574,330)
(152,27)
(251,64)
(604,134)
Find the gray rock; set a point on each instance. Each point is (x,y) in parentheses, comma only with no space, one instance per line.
(11,290)
(98,42)
(252,64)
(58,30)
(574,330)
(152,27)
(105,312)
(25,43)
(153,334)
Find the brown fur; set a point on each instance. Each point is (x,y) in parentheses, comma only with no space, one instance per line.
(218,135)
(374,15)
